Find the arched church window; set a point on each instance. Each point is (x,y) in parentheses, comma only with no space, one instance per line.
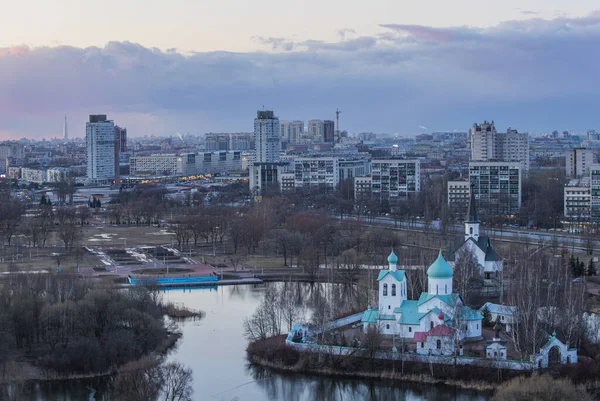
(431,325)
(471,230)
(385,290)
(438,344)
(437,289)
(387,326)
(393,290)
(446,290)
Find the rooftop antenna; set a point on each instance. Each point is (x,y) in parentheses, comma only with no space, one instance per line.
(337,119)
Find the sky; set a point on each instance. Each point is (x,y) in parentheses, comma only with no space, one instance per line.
(393,66)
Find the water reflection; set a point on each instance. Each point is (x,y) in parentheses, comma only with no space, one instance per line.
(294,387)
(214,347)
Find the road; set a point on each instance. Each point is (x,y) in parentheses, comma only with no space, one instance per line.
(535,237)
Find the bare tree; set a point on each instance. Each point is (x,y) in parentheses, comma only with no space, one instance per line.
(467,278)
(177,382)
(308,260)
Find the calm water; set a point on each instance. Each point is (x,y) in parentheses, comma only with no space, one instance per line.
(214,348)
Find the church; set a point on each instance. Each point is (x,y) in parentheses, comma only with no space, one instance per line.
(438,313)
(489,262)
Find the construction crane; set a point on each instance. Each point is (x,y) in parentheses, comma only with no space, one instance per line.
(337,121)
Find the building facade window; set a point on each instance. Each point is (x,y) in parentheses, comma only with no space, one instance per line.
(438,344)
(393,290)
(385,290)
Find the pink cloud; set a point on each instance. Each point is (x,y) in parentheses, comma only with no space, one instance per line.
(14,51)
(422,32)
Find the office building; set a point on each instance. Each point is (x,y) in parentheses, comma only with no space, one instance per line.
(219,162)
(487,144)
(100,146)
(578,162)
(391,179)
(497,186)
(291,131)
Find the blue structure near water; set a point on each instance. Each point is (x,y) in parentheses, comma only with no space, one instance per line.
(173,280)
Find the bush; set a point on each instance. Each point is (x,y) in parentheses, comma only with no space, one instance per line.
(540,388)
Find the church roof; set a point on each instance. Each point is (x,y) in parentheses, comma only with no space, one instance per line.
(498,308)
(484,243)
(370,316)
(449,299)
(440,268)
(441,330)
(392,259)
(409,312)
(466,313)
(472,212)
(398,274)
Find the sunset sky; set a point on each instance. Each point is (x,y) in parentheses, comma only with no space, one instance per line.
(391,66)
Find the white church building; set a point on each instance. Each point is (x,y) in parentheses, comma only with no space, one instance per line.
(489,262)
(439,306)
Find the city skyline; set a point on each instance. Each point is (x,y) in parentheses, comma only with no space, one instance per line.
(528,67)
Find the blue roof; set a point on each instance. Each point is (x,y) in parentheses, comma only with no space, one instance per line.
(387,317)
(398,274)
(440,268)
(467,313)
(370,316)
(410,313)
(449,299)
(392,259)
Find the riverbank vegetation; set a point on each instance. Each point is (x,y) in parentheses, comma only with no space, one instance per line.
(57,325)
(573,380)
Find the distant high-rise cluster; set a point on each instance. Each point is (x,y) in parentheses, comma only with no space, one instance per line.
(489,145)
(291,131)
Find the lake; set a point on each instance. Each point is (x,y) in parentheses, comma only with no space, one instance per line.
(214,347)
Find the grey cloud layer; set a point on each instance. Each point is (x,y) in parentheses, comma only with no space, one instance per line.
(406,72)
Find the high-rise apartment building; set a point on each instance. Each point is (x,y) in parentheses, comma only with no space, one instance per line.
(266,137)
(487,144)
(497,185)
(216,142)
(328,131)
(391,179)
(100,146)
(458,197)
(578,162)
(121,138)
(316,128)
(291,131)
(577,195)
(595,192)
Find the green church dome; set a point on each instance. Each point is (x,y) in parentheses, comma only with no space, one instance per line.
(392,259)
(440,268)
